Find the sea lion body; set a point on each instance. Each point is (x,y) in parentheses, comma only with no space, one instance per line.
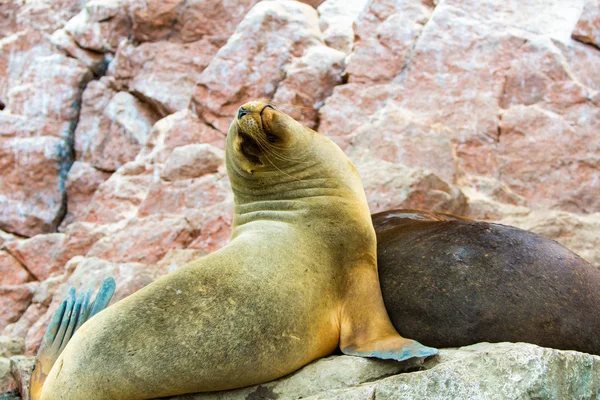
(298,278)
(450,282)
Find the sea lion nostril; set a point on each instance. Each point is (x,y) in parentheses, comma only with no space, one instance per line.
(242,111)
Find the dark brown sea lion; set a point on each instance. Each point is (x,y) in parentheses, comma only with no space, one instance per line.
(448,281)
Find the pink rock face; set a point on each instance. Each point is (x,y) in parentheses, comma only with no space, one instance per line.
(87,274)
(112,128)
(17,52)
(179,129)
(82,182)
(100,26)
(183,196)
(193,161)
(390,186)
(145,240)
(394,134)
(46,255)
(588,26)
(251,64)
(560,152)
(162,73)
(385,34)
(309,80)
(14,300)
(11,270)
(217,18)
(120,196)
(31,199)
(114,114)
(213,225)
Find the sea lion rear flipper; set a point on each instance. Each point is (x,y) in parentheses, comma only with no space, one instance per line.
(69,316)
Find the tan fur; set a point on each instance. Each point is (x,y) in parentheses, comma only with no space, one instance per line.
(298,278)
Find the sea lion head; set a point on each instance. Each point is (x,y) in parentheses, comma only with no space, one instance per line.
(263,139)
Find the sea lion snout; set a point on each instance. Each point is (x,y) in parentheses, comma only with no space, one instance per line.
(242,111)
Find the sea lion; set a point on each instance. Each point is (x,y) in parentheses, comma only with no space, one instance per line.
(298,278)
(448,281)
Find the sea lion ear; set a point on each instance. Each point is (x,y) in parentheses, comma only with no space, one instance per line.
(276,124)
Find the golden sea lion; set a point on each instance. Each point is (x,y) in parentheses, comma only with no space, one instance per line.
(297,280)
(450,282)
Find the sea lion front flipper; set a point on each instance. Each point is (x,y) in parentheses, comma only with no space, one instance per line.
(366,329)
(69,316)
(392,348)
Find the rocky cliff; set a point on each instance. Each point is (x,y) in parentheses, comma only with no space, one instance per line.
(113,115)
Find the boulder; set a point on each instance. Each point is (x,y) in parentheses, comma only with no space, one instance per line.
(112,128)
(145,240)
(82,182)
(163,73)
(389,186)
(588,26)
(252,63)
(480,371)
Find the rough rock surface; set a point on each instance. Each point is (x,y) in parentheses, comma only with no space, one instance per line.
(113,121)
(480,371)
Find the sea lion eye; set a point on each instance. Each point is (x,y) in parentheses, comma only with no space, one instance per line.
(271,138)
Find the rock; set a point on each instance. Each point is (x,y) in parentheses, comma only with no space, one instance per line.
(22,326)
(119,197)
(177,258)
(579,233)
(96,62)
(336,19)
(145,240)
(28,325)
(162,73)
(386,32)
(113,127)
(11,270)
(65,76)
(490,199)
(185,196)
(46,255)
(481,371)
(179,129)
(33,167)
(7,382)
(478,371)
(17,52)
(21,368)
(88,273)
(329,373)
(395,135)
(14,300)
(349,107)
(45,15)
(6,237)
(82,182)
(309,81)
(153,20)
(560,175)
(252,63)
(390,186)
(213,225)
(193,161)
(42,254)
(32,199)
(10,346)
(216,18)
(588,26)
(100,26)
